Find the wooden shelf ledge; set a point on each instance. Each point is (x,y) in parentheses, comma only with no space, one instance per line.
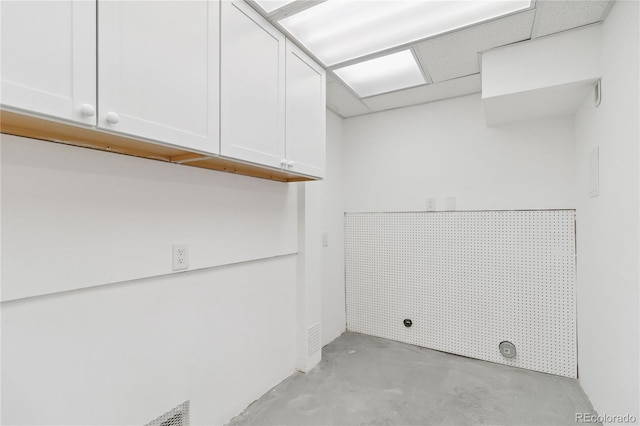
(17,124)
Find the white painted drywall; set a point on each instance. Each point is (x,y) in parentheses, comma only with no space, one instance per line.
(545,77)
(127,352)
(124,354)
(607,225)
(552,101)
(309,287)
(558,59)
(333,292)
(395,159)
(77,218)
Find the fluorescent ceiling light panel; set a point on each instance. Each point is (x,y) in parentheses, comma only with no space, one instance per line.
(384,74)
(271,5)
(337,30)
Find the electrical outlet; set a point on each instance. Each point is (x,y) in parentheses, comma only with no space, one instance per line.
(180,257)
(430,204)
(325,239)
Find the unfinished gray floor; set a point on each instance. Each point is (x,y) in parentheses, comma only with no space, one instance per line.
(364,380)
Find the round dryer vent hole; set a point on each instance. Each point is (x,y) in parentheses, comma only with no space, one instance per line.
(507,349)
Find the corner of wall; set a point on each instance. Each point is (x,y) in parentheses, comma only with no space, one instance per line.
(333,286)
(608,226)
(309,276)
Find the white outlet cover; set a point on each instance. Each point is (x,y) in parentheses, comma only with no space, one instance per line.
(180,257)
(430,204)
(450,203)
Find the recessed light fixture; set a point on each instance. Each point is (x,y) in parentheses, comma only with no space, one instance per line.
(337,31)
(272,5)
(384,74)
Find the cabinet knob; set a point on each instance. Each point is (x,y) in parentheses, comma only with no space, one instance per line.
(290,164)
(87,110)
(283,162)
(112,117)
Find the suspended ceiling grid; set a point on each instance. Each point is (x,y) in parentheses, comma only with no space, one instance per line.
(451,61)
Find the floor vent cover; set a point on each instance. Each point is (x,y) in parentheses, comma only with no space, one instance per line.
(179,416)
(314,338)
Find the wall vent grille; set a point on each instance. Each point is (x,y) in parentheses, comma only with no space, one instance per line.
(179,416)
(314,339)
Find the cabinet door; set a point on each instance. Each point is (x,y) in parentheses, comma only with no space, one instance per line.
(158,75)
(252,81)
(306,114)
(49,58)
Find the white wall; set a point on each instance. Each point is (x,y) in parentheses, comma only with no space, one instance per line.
(545,77)
(76,217)
(309,288)
(608,255)
(125,353)
(333,292)
(395,159)
(544,62)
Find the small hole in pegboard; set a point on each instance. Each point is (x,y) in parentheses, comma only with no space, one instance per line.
(407,323)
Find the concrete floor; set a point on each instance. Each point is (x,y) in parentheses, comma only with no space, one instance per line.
(364,380)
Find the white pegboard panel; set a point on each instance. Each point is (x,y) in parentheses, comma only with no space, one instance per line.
(178,416)
(468,280)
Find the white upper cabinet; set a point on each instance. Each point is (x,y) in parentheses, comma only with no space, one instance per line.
(206,76)
(306,114)
(159,71)
(49,58)
(253,87)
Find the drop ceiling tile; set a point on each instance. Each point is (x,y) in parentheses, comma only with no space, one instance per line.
(560,15)
(428,93)
(456,54)
(342,101)
(386,73)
